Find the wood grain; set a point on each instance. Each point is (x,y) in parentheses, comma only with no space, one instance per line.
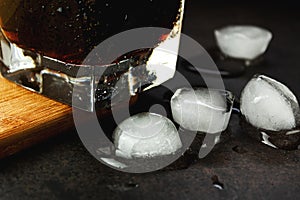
(27,118)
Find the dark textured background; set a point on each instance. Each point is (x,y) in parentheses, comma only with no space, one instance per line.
(61,168)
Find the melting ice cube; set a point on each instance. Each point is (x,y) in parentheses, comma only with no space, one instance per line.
(146,135)
(202,109)
(243,42)
(270,105)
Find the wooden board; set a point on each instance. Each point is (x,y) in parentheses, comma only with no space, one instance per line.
(27,118)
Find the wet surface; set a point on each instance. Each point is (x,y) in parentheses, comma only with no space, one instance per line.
(216,183)
(285,139)
(228,67)
(61,168)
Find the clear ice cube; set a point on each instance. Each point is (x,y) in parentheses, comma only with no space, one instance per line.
(204,110)
(146,135)
(243,42)
(270,105)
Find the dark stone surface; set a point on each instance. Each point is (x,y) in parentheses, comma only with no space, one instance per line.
(61,168)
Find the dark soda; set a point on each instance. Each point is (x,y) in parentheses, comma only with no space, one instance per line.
(68,30)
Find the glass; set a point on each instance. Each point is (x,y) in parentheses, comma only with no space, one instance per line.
(43,45)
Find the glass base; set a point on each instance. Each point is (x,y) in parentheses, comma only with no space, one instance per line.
(62,82)
(84,86)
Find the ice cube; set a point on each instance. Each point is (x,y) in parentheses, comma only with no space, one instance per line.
(146,135)
(243,42)
(268,104)
(202,109)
